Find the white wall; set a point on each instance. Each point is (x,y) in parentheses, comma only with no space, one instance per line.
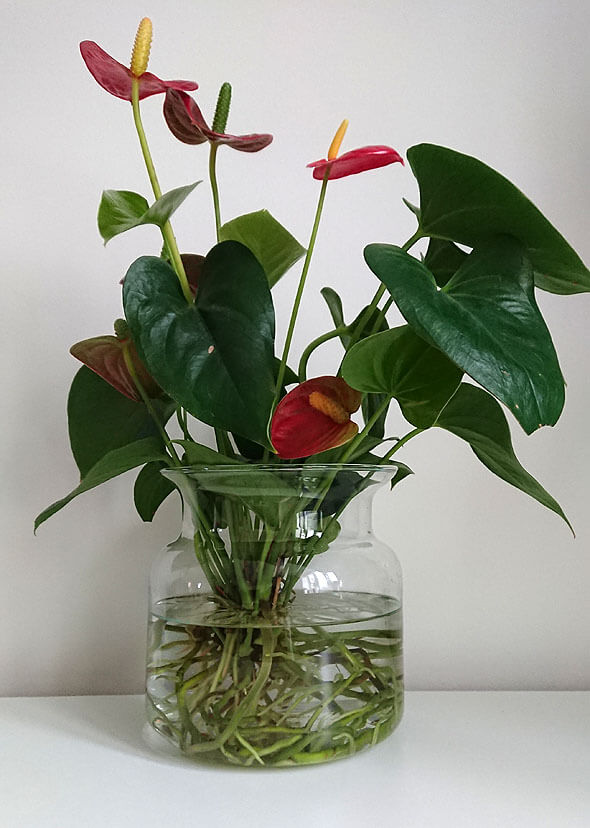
(496,588)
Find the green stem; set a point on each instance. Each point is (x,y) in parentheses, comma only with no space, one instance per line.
(301,371)
(402,441)
(214,187)
(299,294)
(148,404)
(167,232)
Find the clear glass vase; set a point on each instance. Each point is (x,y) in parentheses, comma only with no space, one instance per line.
(275,632)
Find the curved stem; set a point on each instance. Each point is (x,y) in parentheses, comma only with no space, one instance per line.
(214,187)
(301,371)
(167,232)
(402,441)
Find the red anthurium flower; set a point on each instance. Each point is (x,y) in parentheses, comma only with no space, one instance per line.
(314,417)
(187,123)
(104,355)
(355,161)
(116,78)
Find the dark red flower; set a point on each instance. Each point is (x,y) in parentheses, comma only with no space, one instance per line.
(187,123)
(116,78)
(314,417)
(104,356)
(355,161)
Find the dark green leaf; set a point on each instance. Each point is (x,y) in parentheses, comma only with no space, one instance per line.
(273,245)
(486,320)
(443,259)
(101,419)
(402,472)
(399,363)
(121,210)
(370,405)
(474,416)
(466,201)
(150,490)
(111,465)
(214,357)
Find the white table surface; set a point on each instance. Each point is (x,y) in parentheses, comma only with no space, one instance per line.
(477,759)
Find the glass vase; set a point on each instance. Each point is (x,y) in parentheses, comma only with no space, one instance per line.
(275,633)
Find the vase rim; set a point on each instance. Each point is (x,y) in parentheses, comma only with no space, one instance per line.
(296,468)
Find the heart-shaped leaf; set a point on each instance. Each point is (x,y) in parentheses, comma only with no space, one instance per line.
(214,357)
(121,210)
(111,465)
(101,419)
(486,320)
(475,416)
(397,362)
(273,245)
(464,200)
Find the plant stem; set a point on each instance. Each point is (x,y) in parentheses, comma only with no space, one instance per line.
(214,187)
(167,232)
(299,294)
(356,334)
(402,441)
(301,371)
(148,404)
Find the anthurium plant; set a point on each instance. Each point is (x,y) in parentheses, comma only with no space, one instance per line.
(197,341)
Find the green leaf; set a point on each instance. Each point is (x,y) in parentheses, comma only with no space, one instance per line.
(273,245)
(101,419)
(399,363)
(486,320)
(443,259)
(121,210)
(402,472)
(151,490)
(370,405)
(464,200)
(214,357)
(412,208)
(334,303)
(111,465)
(198,455)
(474,416)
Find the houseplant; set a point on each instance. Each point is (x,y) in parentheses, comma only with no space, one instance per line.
(244,681)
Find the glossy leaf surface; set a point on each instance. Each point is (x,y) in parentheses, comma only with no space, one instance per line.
(274,247)
(474,416)
(214,357)
(486,320)
(464,200)
(111,465)
(397,362)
